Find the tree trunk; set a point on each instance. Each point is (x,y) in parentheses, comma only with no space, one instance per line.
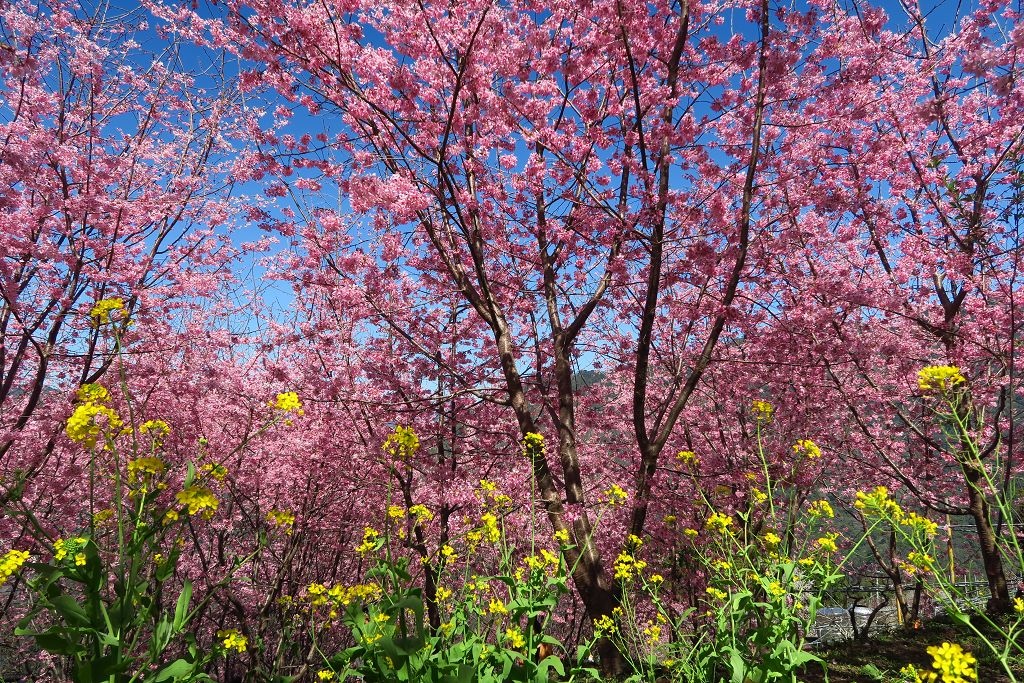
(999,600)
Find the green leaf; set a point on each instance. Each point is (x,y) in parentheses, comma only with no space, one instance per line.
(175,670)
(181,609)
(68,607)
(55,642)
(548,663)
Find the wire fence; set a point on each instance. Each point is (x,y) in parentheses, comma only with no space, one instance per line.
(860,609)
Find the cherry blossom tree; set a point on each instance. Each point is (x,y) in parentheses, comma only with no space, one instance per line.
(110,144)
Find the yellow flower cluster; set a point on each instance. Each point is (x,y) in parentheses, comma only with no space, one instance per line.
(402,443)
(533,444)
(604,625)
(920,525)
(421,514)
(514,638)
(939,378)
(652,634)
(360,592)
(198,500)
(102,312)
(85,426)
(10,563)
(719,522)
(919,563)
(627,565)
(489,527)
(546,561)
(218,472)
(688,458)
(103,516)
(615,495)
(157,428)
(716,593)
(807,448)
(878,502)
(317,594)
(325,675)
(950,664)
(828,542)
(231,639)
(490,496)
(289,402)
(370,542)
(141,469)
(821,508)
(92,393)
(763,411)
(71,547)
(284,519)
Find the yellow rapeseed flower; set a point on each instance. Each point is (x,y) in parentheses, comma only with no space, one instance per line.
(604,625)
(828,543)
(920,525)
(10,563)
(514,638)
(198,499)
(421,514)
(141,469)
(68,547)
(719,522)
(716,593)
(950,664)
(615,495)
(490,528)
(370,541)
(289,402)
(157,428)
(688,458)
(652,634)
(533,444)
(102,312)
(939,378)
(763,411)
(402,443)
(283,519)
(86,424)
(92,393)
(231,639)
(807,448)
(821,508)
(919,563)
(878,502)
(627,566)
